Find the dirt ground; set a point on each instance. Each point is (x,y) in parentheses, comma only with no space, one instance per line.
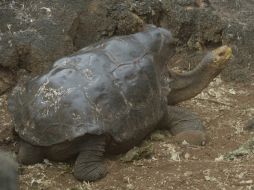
(224,107)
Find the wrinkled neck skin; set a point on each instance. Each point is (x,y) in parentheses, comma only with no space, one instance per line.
(187,85)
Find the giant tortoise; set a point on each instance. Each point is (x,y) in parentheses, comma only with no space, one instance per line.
(106,98)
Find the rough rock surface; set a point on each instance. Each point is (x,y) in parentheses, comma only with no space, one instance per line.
(33,34)
(7,79)
(200,25)
(238,18)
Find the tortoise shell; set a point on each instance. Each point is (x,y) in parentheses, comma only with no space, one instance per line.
(114,87)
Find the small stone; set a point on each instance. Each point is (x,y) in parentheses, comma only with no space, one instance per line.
(188,173)
(175,156)
(232,91)
(246,182)
(47,162)
(220,158)
(130,186)
(250,125)
(126,179)
(186,156)
(157,136)
(138,153)
(185,142)
(208,178)
(130,155)
(241,175)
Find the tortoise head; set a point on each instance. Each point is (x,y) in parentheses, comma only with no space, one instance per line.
(187,85)
(218,58)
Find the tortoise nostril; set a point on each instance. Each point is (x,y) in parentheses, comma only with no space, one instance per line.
(222,53)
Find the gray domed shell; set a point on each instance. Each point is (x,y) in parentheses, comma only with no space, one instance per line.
(113,88)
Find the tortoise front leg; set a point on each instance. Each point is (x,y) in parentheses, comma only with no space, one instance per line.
(89,165)
(30,154)
(185,125)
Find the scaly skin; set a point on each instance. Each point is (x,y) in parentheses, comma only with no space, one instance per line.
(187,85)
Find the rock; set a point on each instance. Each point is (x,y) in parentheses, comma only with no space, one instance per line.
(238,31)
(157,136)
(232,24)
(102,19)
(33,35)
(244,150)
(138,153)
(34,38)
(7,80)
(250,125)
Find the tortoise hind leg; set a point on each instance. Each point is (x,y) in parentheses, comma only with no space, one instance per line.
(30,154)
(89,165)
(184,125)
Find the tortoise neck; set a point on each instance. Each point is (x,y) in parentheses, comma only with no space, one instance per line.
(187,85)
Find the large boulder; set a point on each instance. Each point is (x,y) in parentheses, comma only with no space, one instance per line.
(238,19)
(36,33)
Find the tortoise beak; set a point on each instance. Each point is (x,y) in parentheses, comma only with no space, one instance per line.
(221,56)
(223,52)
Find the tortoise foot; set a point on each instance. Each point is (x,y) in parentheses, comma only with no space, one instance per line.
(90,165)
(193,137)
(90,171)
